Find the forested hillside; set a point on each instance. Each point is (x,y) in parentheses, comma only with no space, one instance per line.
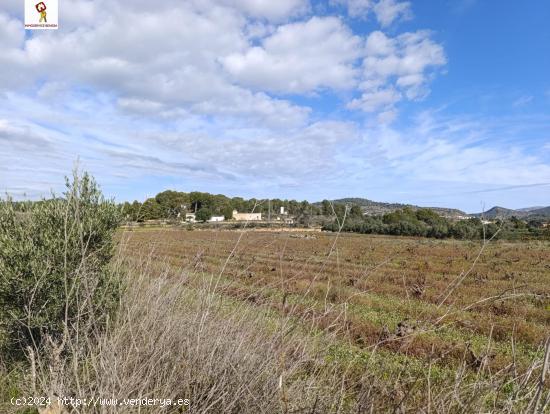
(376,207)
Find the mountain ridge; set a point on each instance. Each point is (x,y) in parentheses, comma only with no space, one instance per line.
(523,213)
(371,207)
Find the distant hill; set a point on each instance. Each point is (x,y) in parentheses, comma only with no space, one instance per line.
(501,212)
(524,213)
(372,208)
(376,207)
(540,212)
(529,209)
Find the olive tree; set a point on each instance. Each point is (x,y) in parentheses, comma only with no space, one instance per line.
(54,264)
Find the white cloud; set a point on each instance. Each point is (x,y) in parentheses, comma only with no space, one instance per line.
(212,58)
(271,10)
(130,147)
(397,68)
(299,57)
(378,44)
(355,8)
(455,150)
(523,100)
(267,155)
(143,106)
(114,56)
(257,30)
(387,117)
(387,11)
(22,137)
(375,100)
(11,33)
(13,7)
(405,55)
(257,107)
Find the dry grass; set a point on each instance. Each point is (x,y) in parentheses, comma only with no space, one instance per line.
(171,341)
(241,323)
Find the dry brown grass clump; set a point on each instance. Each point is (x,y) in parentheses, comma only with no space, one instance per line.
(171,341)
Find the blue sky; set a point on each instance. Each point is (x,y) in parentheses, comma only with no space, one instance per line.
(441,103)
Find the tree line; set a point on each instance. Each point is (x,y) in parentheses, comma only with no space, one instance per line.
(175,204)
(427,223)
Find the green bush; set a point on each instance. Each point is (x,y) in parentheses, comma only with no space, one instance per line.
(54,257)
(203,215)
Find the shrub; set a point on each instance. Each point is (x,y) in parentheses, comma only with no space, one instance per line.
(439,231)
(53,260)
(466,229)
(203,214)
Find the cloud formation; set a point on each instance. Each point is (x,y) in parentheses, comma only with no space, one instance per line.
(396,68)
(385,11)
(388,11)
(230,58)
(300,57)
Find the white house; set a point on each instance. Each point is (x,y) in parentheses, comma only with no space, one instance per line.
(246,216)
(216,218)
(190,217)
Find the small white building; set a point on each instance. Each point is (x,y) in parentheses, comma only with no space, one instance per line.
(246,216)
(460,217)
(216,218)
(190,217)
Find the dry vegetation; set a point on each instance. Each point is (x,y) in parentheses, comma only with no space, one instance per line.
(408,325)
(308,322)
